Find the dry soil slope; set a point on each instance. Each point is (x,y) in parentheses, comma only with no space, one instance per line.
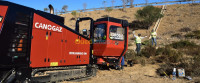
(117,13)
(177,17)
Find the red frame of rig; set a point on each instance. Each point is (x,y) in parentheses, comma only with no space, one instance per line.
(110,53)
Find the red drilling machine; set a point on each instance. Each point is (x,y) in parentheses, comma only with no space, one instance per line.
(36,46)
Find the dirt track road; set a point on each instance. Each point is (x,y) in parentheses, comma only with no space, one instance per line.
(135,74)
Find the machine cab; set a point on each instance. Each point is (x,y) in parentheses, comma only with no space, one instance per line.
(110,39)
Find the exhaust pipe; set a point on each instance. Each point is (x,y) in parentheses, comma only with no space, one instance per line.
(51,9)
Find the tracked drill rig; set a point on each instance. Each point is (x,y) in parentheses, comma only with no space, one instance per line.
(37,47)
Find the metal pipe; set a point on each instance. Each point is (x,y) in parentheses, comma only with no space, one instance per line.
(51,9)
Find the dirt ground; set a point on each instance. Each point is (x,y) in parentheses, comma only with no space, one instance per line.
(135,74)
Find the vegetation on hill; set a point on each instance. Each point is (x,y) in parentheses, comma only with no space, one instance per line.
(182,54)
(148,15)
(194,34)
(64,8)
(74,13)
(108,9)
(46,9)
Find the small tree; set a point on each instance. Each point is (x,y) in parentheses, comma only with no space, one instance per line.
(65,7)
(104,3)
(148,15)
(84,6)
(192,1)
(125,2)
(131,3)
(108,9)
(113,1)
(146,2)
(46,9)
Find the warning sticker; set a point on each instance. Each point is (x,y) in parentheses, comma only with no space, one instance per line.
(54,64)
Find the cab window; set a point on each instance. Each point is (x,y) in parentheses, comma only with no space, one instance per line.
(100,33)
(116,33)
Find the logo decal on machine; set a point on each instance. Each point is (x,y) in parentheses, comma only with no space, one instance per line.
(48,27)
(77,53)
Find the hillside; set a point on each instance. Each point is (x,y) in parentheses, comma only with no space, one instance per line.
(178,19)
(175,17)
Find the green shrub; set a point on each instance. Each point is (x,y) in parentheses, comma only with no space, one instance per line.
(173,58)
(178,35)
(191,66)
(143,62)
(146,42)
(190,35)
(149,14)
(182,44)
(160,51)
(167,54)
(191,50)
(108,9)
(130,44)
(130,54)
(134,58)
(194,34)
(196,65)
(74,13)
(148,51)
(125,17)
(165,68)
(105,16)
(168,68)
(185,29)
(197,34)
(186,47)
